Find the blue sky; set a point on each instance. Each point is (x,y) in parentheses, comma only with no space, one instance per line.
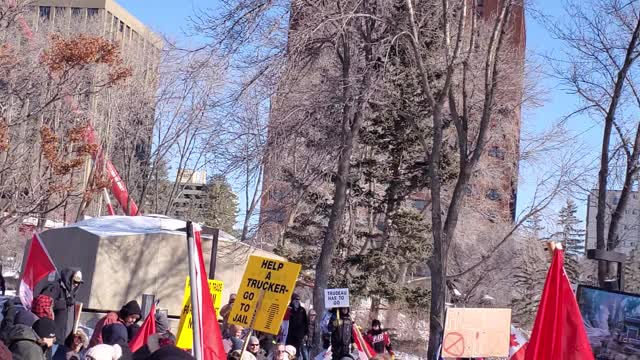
(170,17)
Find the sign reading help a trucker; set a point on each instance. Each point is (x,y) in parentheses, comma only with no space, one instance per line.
(185,328)
(336,298)
(276,279)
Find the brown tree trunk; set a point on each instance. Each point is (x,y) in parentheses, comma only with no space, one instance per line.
(601,241)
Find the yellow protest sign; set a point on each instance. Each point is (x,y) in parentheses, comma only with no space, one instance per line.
(276,280)
(185,328)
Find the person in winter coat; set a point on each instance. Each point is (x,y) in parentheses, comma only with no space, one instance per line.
(310,338)
(254,348)
(74,347)
(116,334)
(42,307)
(128,315)
(32,343)
(163,329)
(341,335)
(15,314)
(63,292)
(378,338)
(225,312)
(298,324)
(234,341)
(104,352)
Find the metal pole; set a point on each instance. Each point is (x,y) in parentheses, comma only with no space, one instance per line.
(195,294)
(214,254)
(147,302)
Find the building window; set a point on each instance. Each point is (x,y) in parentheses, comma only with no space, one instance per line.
(91,12)
(45,12)
(121,29)
(496,152)
(493,194)
(419,204)
(61,11)
(616,200)
(76,12)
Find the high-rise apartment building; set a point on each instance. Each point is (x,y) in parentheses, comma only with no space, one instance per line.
(629,228)
(492,189)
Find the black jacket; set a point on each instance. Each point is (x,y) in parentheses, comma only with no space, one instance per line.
(298,326)
(15,314)
(341,338)
(64,299)
(23,343)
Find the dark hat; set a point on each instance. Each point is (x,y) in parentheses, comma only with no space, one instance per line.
(295,297)
(45,328)
(115,334)
(376,322)
(130,308)
(170,352)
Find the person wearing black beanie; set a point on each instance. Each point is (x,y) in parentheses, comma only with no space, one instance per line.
(128,315)
(32,343)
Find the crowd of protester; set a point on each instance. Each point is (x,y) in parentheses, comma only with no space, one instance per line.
(48,330)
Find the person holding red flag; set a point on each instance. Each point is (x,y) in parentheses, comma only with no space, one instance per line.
(38,265)
(558,332)
(147,329)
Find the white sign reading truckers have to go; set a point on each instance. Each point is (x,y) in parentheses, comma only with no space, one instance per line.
(336,298)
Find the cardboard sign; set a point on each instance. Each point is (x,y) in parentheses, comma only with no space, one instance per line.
(185,327)
(273,281)
(336,298)
(472,333)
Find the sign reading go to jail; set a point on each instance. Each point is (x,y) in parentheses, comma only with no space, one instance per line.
(185,327)
(276,280)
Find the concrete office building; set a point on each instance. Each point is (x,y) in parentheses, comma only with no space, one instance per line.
(110,19)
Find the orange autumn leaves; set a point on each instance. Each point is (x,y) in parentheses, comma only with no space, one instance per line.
(84,50)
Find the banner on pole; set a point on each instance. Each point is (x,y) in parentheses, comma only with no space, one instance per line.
(185,327)
(277,279)
(336,298)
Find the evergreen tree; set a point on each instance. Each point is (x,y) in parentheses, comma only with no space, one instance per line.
(221,206)
(573,236)
(534,225)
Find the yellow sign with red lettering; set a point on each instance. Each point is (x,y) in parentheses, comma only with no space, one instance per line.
(185,328)
(275,280)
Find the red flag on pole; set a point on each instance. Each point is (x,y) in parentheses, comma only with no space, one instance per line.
(147,329)
(365,351)
(558,333)
(38,265)
(212,347)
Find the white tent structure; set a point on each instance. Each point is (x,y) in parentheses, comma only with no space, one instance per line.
(123,257)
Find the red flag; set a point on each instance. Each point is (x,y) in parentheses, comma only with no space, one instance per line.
(365,351)
(212,347)
(558,333)
(38,265)
(147,329)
